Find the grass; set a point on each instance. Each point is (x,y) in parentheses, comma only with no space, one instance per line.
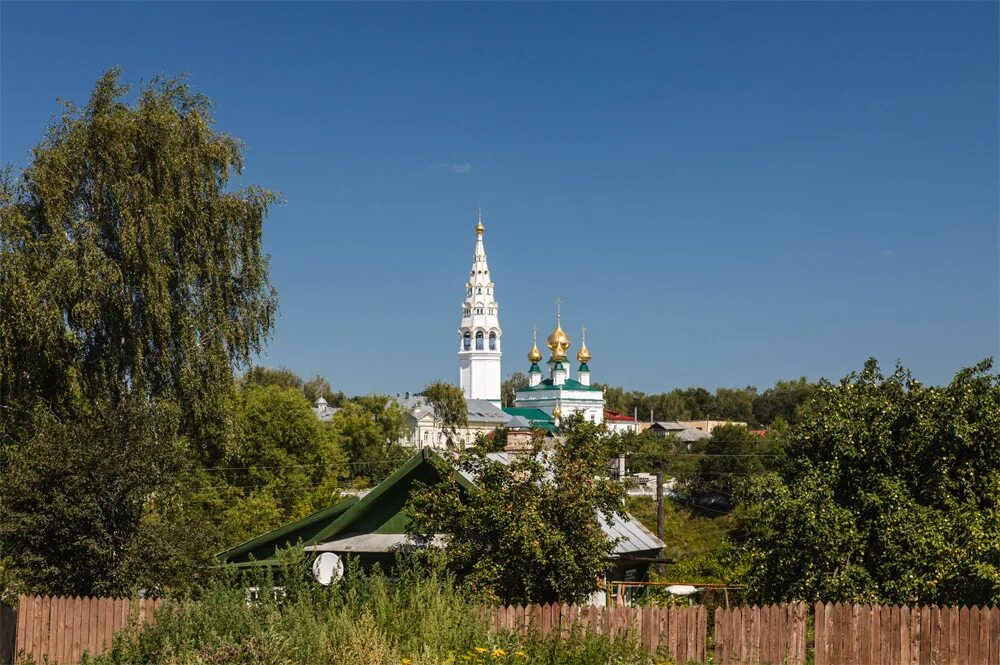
(419,617)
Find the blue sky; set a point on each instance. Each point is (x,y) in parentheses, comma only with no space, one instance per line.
(724,194)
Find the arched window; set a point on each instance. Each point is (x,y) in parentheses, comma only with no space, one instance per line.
(479,289)
(479,341)
(466,341)
(493,341)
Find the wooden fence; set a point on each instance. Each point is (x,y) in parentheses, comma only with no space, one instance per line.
(679,632)
(919,635)
(773,634)
(61,628)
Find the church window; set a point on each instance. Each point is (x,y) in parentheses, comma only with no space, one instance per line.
(468,291)
(493,339)
(466,311)
(479,310)
(425,436)
(489,291)
(479,341)
(466,341)
(479,289)
(492,311)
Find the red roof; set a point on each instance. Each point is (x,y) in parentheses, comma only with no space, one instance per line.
(620,417)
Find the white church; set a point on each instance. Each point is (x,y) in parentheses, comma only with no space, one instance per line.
(544,402)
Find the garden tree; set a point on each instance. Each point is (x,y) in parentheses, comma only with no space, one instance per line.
(131,266)
(450,408)
(514,382)
(317,387)
(72,496)
(528,532)
(785,400)
(369,429)
(732,453)
(273,376)
(734,404)
(890,494)
(700,402)
(284,452)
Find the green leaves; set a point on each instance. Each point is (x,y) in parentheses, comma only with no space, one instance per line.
(130,266)
(890,494)
(529,532)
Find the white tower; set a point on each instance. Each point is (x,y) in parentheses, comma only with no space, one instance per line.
(479,334)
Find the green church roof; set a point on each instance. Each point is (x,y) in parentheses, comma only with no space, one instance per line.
(568,384)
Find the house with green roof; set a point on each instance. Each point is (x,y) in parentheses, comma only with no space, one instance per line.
(372,527)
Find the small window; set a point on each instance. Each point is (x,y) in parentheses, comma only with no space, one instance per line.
(466,341)
(479,310)
(479,289)
(493,341)
(479,341)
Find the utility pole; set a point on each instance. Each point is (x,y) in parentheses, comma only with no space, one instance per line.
(659,513)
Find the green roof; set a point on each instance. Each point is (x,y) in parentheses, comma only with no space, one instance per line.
(534,369)
(528,413)
(584,368)
(379,511)
(568,384)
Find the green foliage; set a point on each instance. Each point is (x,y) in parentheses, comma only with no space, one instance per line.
(130,266)
(450,408)
(529,533)
(508,389)
(72,498)
(369,430)
(890,494)
(732,454)
(420,615)
(284,450)
(787,400)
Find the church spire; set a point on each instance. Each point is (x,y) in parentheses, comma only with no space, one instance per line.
(479,330)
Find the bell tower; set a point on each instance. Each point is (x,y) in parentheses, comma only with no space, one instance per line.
(479,332)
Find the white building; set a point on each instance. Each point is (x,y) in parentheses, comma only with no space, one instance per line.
(560,395)
(479,332)
(427,431)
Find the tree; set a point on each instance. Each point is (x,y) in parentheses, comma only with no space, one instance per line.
(73,494)
(732,453)
(130,266)
(284,451)
(369,430)
(735,404)
(889,494)
(786,400)
(317,387)
(282,377)
(529,531)
(449,407)
(508,389)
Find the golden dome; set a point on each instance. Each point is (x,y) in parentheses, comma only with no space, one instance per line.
(583,355)
(479,228)
(534,355)
(558,341)
(557,412)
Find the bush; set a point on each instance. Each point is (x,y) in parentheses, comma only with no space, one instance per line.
(418,617)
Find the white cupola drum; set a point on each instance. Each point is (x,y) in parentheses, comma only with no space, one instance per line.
(479,333)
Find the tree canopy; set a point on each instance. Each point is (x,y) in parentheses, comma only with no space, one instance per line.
(529,532)
(129,264)
(889,493)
